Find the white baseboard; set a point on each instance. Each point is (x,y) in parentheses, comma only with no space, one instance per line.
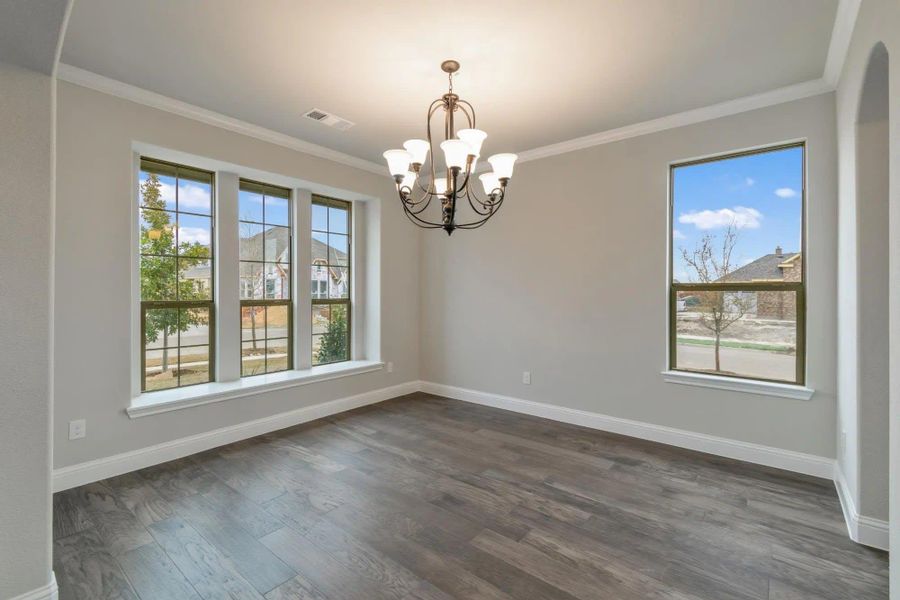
(45,592)
(798,462)
(95,470)
(862,529)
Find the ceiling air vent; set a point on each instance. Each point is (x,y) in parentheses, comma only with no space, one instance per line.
(328,119)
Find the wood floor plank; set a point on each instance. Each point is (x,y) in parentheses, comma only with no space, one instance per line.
(154,576)
(252,560)
(86,570)
(427,498)
(209,571)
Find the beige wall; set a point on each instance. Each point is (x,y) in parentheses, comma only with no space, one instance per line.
(26,218)
(93,274)
(569,282)
(878,22)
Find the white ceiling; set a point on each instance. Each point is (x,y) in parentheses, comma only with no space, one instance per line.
(30,32)
(538,72)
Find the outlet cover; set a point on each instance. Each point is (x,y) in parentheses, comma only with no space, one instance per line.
(526,377)
(77,429)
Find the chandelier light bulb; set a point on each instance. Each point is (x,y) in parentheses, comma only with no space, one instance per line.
(455,152)
(440,185)
(418,149)
(398,161)
(503,164)
(474,138)
(490,181)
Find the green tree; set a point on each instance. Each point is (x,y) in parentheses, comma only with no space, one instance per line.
(161,271)
(333,345)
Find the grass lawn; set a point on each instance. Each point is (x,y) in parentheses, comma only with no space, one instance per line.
(780,348)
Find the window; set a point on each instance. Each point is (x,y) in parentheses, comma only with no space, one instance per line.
(737,295)
(330,280)
(176,272)
(265,270)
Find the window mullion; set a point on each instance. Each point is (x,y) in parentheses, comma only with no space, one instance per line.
(228,338)
(302,281)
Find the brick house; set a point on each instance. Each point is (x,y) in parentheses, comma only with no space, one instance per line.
(779,266)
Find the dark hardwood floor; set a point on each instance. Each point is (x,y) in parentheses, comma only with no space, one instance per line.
(427,498)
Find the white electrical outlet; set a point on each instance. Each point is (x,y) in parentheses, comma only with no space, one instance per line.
(526,377)
(390,367)
(77,429)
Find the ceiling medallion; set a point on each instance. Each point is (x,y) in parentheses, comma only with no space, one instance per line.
(461,151)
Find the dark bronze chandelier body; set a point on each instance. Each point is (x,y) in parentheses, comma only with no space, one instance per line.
(461,152)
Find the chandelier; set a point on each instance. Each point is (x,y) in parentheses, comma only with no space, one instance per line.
(461,152)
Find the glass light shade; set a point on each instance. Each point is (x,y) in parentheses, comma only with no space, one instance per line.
(409,180)
(473,137)
(455,152)
(440,185)
(418,149)
(398,161)
(490,181)
(503,164)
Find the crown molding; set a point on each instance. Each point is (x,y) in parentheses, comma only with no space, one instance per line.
(844,22)
(690,117)
(126,91)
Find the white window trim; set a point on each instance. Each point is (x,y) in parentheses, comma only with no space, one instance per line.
(737,384)
(218,391)
(365,342)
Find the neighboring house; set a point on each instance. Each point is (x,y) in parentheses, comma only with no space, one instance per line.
(779,266)
(271,279)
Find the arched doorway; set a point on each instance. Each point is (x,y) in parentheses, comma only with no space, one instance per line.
(873,289)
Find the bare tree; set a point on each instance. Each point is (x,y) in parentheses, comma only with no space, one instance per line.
(718,310)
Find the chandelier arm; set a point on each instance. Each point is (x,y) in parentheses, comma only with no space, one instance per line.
(462,102)
(475,208)
(420,221)
(426,197)
(480,222)
(474,196)
(423,208)
(431,110)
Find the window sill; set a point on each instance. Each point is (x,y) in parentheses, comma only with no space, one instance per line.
(749,386)
(197,395)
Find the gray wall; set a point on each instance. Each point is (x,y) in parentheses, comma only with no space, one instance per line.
(569,282)
(93,273)
(878,22)
(26,123)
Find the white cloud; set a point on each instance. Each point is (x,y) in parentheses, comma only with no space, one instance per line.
(192,197)
(785,192)
(739,216)
(190,235)
(749,181)
(678,235)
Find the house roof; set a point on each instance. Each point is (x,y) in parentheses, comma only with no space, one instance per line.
(766,267)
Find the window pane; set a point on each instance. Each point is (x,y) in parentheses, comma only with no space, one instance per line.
(319,248)
(158,280)
(321,315)
(757,333)
(252,284)
(278,281)
(739,219)
(337,220)
(193,323)
(160,369)
(253,323)
(193,365)
(277,212)
(339,249)
(277,244)
(157,190)
(194,235)
(333,343)
(251,241)
(157,232)
(160,328)
(194,279)
(250,206)
(194,196)
(338,282)
(319,283)
(277,355)
(277,319)
(316,348)
(319,217)
(253,358)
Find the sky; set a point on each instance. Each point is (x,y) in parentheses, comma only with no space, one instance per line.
(761,194)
